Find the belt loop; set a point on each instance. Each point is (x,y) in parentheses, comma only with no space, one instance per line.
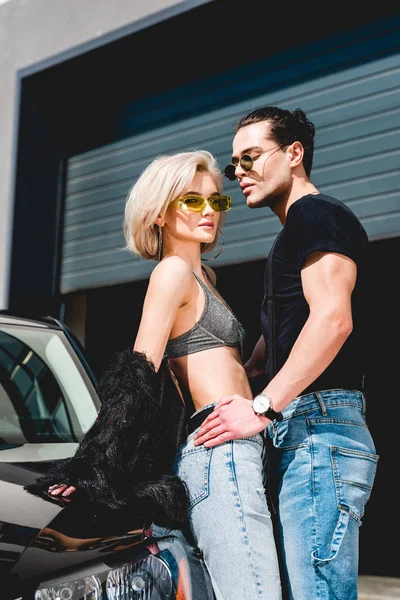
(275,426)
(364,404)
(321,403)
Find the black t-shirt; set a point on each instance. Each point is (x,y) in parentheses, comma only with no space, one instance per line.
(318,222)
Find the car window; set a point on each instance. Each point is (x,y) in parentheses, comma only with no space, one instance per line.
(45,395)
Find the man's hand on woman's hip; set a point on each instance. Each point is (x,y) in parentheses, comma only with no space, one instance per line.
(232,418)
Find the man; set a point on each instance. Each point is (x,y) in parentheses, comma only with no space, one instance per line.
(322,457)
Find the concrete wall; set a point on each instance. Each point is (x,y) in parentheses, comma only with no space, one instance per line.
(33,31)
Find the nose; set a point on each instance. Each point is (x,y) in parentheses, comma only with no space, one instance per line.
(239,171)
(207,210)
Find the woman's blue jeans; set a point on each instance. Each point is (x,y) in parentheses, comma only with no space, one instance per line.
(229,517)
(322,465)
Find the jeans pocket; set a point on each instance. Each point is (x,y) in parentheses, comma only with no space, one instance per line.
(354,473)
(193,467)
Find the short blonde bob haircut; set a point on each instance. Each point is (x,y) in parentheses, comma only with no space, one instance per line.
(166,178)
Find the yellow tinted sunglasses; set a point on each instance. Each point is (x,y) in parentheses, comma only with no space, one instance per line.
(195,203)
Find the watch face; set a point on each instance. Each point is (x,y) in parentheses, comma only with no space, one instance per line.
(261,403)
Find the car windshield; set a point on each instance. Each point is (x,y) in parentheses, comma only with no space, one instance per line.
(46,395)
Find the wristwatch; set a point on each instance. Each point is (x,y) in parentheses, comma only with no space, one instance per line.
(262,406)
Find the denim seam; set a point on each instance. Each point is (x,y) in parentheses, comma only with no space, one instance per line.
(256,576)
(368,488)
(187,451)
(331,391)
(351,513)
(336,420)
(314,408)
(311,450)
(290,448)
(321,593)
(251,438)
(314,496)
(205,485)
(342,507)
(359,453)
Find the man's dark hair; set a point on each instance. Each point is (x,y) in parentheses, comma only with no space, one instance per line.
(286,127)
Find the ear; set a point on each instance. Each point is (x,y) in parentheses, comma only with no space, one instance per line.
(296,153)
(159,221)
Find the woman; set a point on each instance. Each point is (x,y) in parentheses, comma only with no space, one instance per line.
(173,214)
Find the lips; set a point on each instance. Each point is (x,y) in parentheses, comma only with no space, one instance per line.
(246,188)
(208,225)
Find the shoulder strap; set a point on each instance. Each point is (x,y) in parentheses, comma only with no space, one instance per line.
(207,275)
(203,285)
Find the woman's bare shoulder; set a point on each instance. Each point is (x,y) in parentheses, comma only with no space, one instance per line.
(171,271)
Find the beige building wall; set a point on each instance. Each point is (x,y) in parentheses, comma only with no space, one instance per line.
(33,31)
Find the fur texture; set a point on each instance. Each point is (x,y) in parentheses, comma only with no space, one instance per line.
(124,462)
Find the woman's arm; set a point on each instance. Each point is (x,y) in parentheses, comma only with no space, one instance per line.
(168,289)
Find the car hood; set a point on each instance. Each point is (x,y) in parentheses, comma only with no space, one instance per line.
(39,537)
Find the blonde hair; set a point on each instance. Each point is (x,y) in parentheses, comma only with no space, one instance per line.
(165,178)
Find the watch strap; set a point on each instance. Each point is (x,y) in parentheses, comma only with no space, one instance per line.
(273,415)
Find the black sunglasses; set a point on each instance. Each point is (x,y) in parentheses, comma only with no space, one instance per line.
(246,162)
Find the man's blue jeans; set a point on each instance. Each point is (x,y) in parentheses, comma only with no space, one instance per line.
(322,467)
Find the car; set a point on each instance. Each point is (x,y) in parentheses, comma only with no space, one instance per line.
(49,550)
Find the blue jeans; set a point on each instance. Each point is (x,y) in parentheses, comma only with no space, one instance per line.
(323,465)
(229,517)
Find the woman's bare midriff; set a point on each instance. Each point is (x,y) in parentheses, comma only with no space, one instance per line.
(210,374)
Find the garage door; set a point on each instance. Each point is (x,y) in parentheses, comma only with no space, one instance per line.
(348,86)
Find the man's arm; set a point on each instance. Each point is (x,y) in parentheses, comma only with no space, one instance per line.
(328,281)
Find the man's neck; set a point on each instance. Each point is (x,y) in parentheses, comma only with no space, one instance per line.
(299,189)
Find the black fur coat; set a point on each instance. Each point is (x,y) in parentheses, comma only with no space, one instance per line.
(124,462)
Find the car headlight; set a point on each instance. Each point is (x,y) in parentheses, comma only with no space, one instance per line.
(147,579)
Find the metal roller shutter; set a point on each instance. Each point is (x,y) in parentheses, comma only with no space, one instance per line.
(349,88)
